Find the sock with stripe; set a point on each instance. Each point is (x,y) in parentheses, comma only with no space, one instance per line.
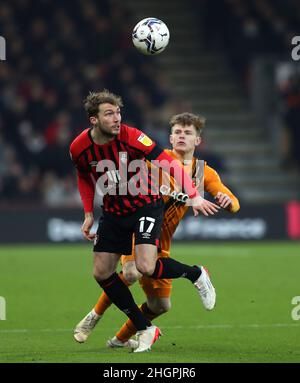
(168,268)
(104,302)
(128,329)
(120,295)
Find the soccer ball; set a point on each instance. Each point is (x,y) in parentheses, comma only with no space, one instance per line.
(150,36)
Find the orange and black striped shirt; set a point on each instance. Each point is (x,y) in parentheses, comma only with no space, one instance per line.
(175,207)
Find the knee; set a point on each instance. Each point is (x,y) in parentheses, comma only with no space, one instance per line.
(101,275)
(164,307)
(105,265)
(131,276)
(160,306)
(145,259)
(145,268)
(98,276)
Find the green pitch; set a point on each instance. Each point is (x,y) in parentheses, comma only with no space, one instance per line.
(48,289)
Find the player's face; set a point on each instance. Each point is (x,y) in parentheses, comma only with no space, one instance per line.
(184,139)
(108,120)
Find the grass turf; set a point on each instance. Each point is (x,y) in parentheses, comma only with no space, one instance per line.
(48,289)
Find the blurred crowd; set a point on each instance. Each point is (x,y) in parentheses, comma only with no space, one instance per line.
(56,53)
(245,29)
(289,88)
(59,51)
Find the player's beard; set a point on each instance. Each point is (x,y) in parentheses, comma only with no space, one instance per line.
(104,132)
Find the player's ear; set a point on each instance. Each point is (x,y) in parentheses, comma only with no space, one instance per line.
(93,120)
(171,139)
(198,140)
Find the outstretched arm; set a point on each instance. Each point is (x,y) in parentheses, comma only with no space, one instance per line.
(223,196)
(176,170)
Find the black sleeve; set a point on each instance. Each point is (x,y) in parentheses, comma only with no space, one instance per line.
(156,152)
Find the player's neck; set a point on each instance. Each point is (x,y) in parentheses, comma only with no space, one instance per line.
(183,157)
(100,138)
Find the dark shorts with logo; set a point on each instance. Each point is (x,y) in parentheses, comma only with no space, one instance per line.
(115,233)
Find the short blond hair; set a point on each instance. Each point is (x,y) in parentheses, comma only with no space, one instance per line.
(187,119)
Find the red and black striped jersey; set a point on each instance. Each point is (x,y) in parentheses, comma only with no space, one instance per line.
(90,160)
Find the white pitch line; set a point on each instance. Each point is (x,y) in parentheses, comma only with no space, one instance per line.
(223,326)
(198,327)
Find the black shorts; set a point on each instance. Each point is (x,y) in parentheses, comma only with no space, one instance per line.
(114,234)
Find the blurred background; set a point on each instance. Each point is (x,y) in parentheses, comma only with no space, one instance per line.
(228,60)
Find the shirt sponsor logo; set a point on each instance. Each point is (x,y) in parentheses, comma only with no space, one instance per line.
(123,157)
(178,196)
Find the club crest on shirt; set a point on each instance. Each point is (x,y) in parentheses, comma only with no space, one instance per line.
(145,140)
